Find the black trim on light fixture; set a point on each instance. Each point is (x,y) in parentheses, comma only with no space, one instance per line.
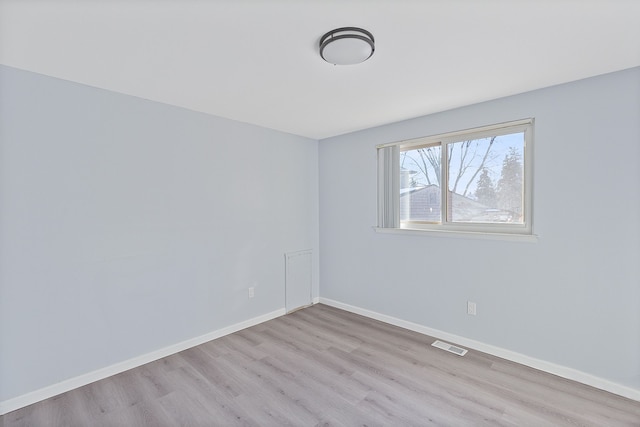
(335,35)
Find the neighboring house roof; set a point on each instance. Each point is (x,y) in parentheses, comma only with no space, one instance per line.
(423,204)
(420,203)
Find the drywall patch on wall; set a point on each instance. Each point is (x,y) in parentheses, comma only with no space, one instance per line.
(298,279)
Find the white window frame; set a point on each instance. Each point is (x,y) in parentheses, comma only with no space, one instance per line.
(389,188)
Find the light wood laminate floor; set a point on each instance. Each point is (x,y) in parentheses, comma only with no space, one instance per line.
(322,366)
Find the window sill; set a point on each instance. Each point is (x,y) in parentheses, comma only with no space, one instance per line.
(459,234)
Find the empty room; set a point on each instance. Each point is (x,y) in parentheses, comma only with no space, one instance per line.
(337,213)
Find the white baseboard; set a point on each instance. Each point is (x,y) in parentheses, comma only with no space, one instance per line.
(552,368)
(82,380)
(72,383)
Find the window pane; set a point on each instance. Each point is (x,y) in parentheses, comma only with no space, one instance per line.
(420,194)
(486,180)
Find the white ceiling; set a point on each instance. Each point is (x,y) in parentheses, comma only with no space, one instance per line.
(257,61)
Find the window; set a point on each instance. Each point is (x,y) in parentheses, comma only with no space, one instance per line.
(477,180)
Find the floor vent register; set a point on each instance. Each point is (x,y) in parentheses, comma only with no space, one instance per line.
(449,347)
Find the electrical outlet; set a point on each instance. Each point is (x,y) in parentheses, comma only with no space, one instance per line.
(471,308)
(252,292)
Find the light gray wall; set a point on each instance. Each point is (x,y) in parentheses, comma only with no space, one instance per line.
(127,226)
(572,298)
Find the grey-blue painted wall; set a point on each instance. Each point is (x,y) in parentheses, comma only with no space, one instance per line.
(127,226)
(573,297)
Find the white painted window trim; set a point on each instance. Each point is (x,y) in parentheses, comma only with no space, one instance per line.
(511,237)
(522,232)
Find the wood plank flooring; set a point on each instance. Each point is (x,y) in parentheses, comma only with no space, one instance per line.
(322,366)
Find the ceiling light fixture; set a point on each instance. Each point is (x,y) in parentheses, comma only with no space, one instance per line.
(347,46)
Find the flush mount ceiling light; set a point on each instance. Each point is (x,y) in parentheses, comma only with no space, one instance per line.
(347,46)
